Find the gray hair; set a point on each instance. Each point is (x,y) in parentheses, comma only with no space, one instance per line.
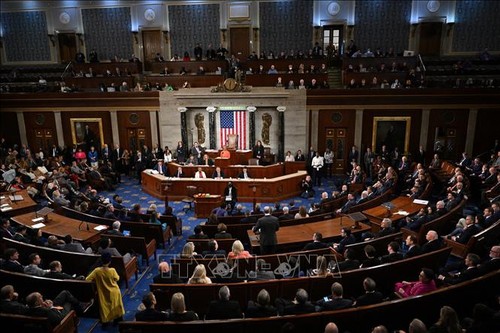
(224,293)
(116,225)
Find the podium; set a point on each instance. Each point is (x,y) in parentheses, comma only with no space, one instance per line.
(204,203)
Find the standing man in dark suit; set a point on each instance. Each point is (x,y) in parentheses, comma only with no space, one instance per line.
(224,308)
(116,161)
(267,226)
(231,195)
(353,157)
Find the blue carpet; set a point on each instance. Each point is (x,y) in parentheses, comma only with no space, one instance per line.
(131,193)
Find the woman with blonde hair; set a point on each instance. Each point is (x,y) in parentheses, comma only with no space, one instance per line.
(301,213)
(178,310)
(199,276)
(238,251)
(321,267)
(188,250)
(448,322)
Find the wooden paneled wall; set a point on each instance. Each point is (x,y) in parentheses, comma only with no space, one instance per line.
(40,130)
(133,120)
(449,126)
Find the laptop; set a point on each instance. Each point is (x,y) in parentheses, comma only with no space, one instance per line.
(126,232)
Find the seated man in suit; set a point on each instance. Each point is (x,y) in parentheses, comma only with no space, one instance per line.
(115,229)
(471,271)
(371,296)
(244,174)
(299,305)
(9,301)
(213,250)
(198,233)
(218,173)
(413,247)
(222,232)
(433,242)
(351,201)
(224,308)
(165,275)
(147,310)
(394,255)
(230,195)
(336,302)
(317,242)
(286,214)
(161,168)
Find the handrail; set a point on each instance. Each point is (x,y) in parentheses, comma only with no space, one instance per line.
(422,62)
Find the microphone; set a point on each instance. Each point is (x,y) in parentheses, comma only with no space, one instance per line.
(80,226)
(88,226)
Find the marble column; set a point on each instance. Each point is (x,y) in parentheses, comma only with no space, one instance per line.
(184,134)
(115,132)
(154,127)
(22,128)
(212,132)
(358,132)
(471,131)
(59,129)
(281,134)
(424,127)
(251,125)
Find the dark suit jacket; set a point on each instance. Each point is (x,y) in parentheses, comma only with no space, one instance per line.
(466,274)
(13,307)
(315,246)
(347,265)
(234,193)
(285,217)
(370,298)
(256,311)
(334,304)
(267,225)
(151,315)
(413,251)
(167,278)
(467,233)
(217,253)
(392,257)
(54,316)
(431,246)
(223,310)
(294,309)
(223,235)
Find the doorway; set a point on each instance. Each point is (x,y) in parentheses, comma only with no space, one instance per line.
(334,35)
(152,43)
(430,38)
(44,139)
(240,42)
(336,141)
(67,46)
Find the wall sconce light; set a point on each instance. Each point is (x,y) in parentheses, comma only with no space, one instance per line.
(52,39)
(80,38)
(136,39)
(165,35)
(223,35)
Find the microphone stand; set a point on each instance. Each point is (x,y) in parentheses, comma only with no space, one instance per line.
(80,226)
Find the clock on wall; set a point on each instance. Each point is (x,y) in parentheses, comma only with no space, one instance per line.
(64,18)
(149,14)
(333,8)
(433,6)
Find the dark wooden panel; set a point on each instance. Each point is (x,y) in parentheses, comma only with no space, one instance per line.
(486,130)
(177,81)
(127,120)
(270,80)
(452,124)
(174,67)
(39,121)
(330,119)
(9,127)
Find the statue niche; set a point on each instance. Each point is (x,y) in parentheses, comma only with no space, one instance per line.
(267,120)
(199,120)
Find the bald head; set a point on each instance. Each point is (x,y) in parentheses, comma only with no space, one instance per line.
(331,328)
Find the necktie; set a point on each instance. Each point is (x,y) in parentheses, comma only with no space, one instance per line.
(199,174)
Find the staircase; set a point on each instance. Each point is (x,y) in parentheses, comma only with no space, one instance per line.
(335,77)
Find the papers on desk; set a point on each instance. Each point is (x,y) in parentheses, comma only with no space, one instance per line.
(38,219)
(2,197)
(16,197)
(4,205)
(101,227)
(5,208)
(402,212)
(38,225)
(421,202)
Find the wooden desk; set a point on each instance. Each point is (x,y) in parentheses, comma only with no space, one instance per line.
(232,171)
(61,226)
(205,203)
(18,207)
(267,190)
(237,156)
(377,214)
(296,236)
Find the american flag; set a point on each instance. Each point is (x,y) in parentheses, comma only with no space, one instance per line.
(233,122)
